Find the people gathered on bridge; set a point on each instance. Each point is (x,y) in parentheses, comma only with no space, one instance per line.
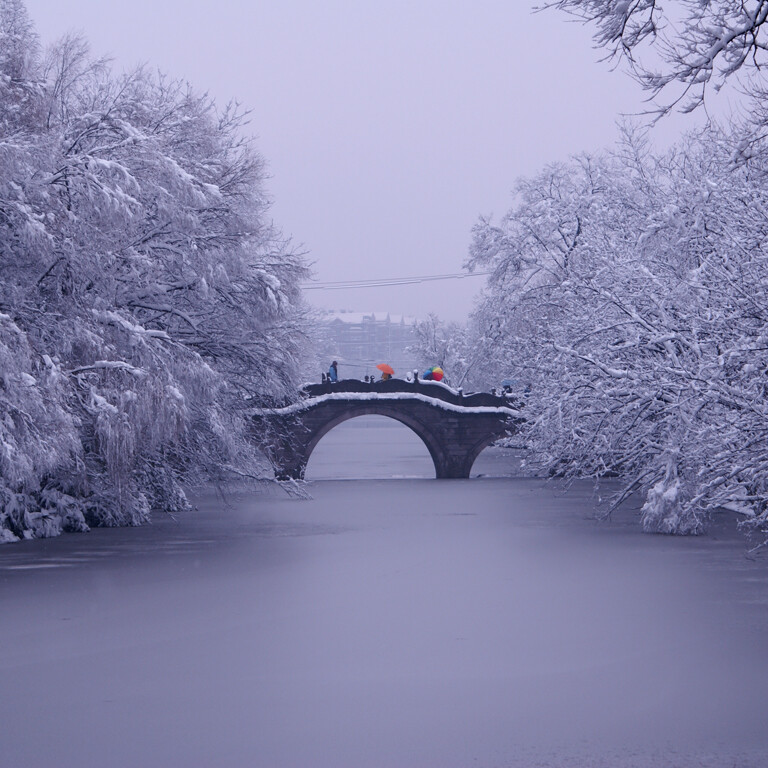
(387,372)
(434,373)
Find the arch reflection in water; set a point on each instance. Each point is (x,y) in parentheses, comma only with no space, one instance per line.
(370,447)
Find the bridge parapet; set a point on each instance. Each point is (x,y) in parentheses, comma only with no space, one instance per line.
(433,389)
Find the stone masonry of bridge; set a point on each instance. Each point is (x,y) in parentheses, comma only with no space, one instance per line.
(455,428)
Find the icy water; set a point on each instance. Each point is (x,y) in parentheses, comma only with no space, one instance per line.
(393,623)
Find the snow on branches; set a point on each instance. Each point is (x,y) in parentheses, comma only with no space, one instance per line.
(145,295)
(630,291)
(696,46)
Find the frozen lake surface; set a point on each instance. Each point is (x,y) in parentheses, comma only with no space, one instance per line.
(393,623)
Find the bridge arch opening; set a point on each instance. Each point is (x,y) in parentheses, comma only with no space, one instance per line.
(369,446)
(492,460)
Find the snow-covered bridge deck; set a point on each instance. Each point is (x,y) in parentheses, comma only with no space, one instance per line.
(454,427)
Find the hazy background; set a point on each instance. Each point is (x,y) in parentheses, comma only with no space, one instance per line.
(388,128)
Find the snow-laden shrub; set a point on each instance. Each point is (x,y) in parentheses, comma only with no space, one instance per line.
(38,435)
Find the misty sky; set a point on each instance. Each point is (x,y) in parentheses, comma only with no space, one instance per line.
(388,127)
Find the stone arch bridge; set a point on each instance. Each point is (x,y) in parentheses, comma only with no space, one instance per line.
(454,427)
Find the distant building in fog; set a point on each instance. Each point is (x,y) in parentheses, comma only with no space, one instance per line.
(359,341)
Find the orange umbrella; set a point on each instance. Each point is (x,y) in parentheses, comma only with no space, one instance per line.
(385,368)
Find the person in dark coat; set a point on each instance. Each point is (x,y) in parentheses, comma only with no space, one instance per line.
(333,372)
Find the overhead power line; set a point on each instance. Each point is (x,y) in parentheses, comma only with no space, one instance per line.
(339,285)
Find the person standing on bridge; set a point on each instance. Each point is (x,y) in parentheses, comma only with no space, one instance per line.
(333,372)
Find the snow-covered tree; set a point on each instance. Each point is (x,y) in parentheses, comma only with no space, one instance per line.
(630,290)
(145,291)
(696,45)
(446,344)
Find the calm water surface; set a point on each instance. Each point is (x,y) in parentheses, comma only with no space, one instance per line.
(392,620)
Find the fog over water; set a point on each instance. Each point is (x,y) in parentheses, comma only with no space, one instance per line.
(385,622)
